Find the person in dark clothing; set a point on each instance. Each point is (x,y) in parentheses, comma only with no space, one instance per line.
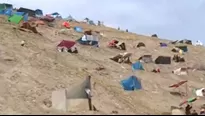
(187,109)
(194,112)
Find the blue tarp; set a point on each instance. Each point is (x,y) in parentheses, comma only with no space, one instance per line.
(163,44)
(78,29)
(131,84)
(38,12)
(137,66)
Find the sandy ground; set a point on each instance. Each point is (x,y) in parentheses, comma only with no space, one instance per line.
(29,74)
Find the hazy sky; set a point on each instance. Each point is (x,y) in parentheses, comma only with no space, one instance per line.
(170,19)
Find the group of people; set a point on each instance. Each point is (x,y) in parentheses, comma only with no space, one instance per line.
(188,110)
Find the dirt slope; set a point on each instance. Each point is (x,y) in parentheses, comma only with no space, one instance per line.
(30,74)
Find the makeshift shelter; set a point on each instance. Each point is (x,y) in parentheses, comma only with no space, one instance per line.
(89,38)
(78,29)
(31,27)
(154,35)
(68,46)
(184,48)
(137,66)
(15,19)
(180,71)
(140,44)
(131,84)
(163,60)
(178,58)
(122,58)
(38,12)
(163,44)
(30,12)
(117,44)
(146,58)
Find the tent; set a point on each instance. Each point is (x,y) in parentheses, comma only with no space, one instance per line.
(38,12)
(78,29)
(122,58)
(137,66)
(163,60)
(25,10)
(131,84)
(146,58)
(66,43)
(184,48)
(163,44)
(15,19)
(140,44)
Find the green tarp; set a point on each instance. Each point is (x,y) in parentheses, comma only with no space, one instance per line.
(15,19)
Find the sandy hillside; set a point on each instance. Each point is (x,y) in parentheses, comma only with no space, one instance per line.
(29,74)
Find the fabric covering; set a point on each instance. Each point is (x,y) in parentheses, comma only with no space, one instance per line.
(66,43)
(137,66)
(131,84)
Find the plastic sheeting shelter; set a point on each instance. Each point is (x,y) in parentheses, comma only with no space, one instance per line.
(131,84)
(78,29)
(137,66)
(15,19)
